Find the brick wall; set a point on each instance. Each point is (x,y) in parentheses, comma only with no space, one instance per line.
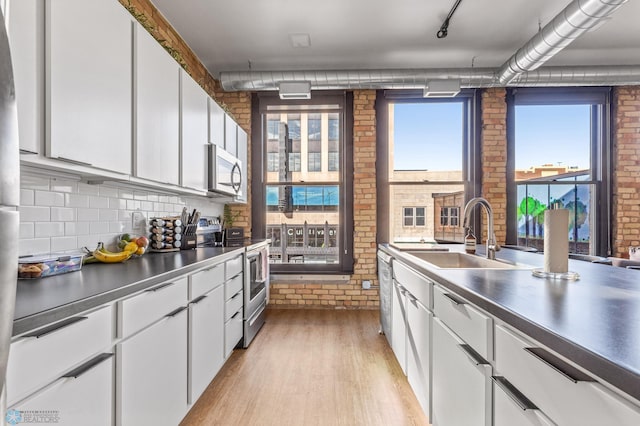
(494,158)
(351,294)
(626,170)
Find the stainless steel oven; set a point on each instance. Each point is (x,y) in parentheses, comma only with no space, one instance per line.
(256,290)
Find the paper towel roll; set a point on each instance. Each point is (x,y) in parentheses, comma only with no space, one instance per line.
(556,240)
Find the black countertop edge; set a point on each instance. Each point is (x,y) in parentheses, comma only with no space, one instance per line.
(39,319)
(622,378)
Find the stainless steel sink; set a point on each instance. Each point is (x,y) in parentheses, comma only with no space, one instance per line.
(455,260)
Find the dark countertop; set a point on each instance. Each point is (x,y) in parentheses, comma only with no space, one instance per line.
(594,321)
(42,301)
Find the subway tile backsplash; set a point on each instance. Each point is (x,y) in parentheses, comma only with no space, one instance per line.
(58,214)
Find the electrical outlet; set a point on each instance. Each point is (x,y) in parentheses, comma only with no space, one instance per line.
(366,284)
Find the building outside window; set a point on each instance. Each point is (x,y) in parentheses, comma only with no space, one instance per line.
(558,157)
(306,204)
(428,149)
(334,141)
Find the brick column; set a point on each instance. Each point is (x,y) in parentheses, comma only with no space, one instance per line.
(626,170)
(494,158)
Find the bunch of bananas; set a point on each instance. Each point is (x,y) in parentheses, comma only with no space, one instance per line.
(129,246)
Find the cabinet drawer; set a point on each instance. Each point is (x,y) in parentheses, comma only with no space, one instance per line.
(82,397)
(204,281)
(149,306)
(468,322)
(563,392)
(43,355)
(234,267)
(509,410)
(233,305)
(232,333)
(418,285)
(233,286)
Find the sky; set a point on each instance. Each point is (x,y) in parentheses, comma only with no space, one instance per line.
(429,136)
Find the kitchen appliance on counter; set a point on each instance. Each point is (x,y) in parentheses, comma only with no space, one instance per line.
(225,172)
(9,202)
(256,290)
(209,232)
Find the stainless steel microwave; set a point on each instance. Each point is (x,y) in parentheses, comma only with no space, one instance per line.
(225,172)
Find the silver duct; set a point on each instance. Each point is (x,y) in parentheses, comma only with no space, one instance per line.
(577,18)
(417,79)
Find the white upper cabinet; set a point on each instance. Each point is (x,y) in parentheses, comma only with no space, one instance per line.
(243,157)
(230,135)
(89,83)
(194,134)
(25,26)
(157,104)
(216,124)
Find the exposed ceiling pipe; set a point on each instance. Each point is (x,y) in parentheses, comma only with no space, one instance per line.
(418,78)
(574,20)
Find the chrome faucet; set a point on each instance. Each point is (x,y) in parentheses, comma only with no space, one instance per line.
(492,245)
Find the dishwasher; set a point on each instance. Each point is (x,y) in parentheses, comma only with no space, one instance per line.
(385,278)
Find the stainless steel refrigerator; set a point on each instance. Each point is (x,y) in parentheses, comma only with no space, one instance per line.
(9,200)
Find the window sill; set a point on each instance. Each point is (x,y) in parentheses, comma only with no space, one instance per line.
(309,279)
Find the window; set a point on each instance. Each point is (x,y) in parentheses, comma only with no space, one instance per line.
(408,216)
(307,210)
(334,138)
(558,156)
(426,157)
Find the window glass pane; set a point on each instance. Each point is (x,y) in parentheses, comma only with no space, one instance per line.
(273,126)
(334,127)
(294,162)
(408,216)
(293,121)
(315,162)
(272,161)
(553,143)
(314,125)
(334,161)
(426,140)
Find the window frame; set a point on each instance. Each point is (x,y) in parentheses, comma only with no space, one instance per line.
(471,150)
(259,103)
(600,145)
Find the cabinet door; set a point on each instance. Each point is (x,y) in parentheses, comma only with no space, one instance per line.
(25,27)
(206,340)
(89,83)
(151,374)
(419,351)
(243,157)
(193,138)
(461,393)
(85,397)
(216,124)
(230,135)
(157,111)
(399,326)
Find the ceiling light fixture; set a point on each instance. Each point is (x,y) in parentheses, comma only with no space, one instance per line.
(441,88)
(294,89)
(444,28)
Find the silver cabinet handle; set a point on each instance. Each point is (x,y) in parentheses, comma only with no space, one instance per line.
(454,299)
(473,356)
(175,312)
(55,327)
(69,160)
(79,371)
(566,370)
(198,299)
(160,287)
(512,392)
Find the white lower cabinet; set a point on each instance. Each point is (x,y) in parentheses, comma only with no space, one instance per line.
(418,351)
(399,325)
(511,408)
(206,340)
(81,397)
(461,392)
(151,379)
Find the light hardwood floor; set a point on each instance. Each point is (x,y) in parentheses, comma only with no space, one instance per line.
(311,367)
